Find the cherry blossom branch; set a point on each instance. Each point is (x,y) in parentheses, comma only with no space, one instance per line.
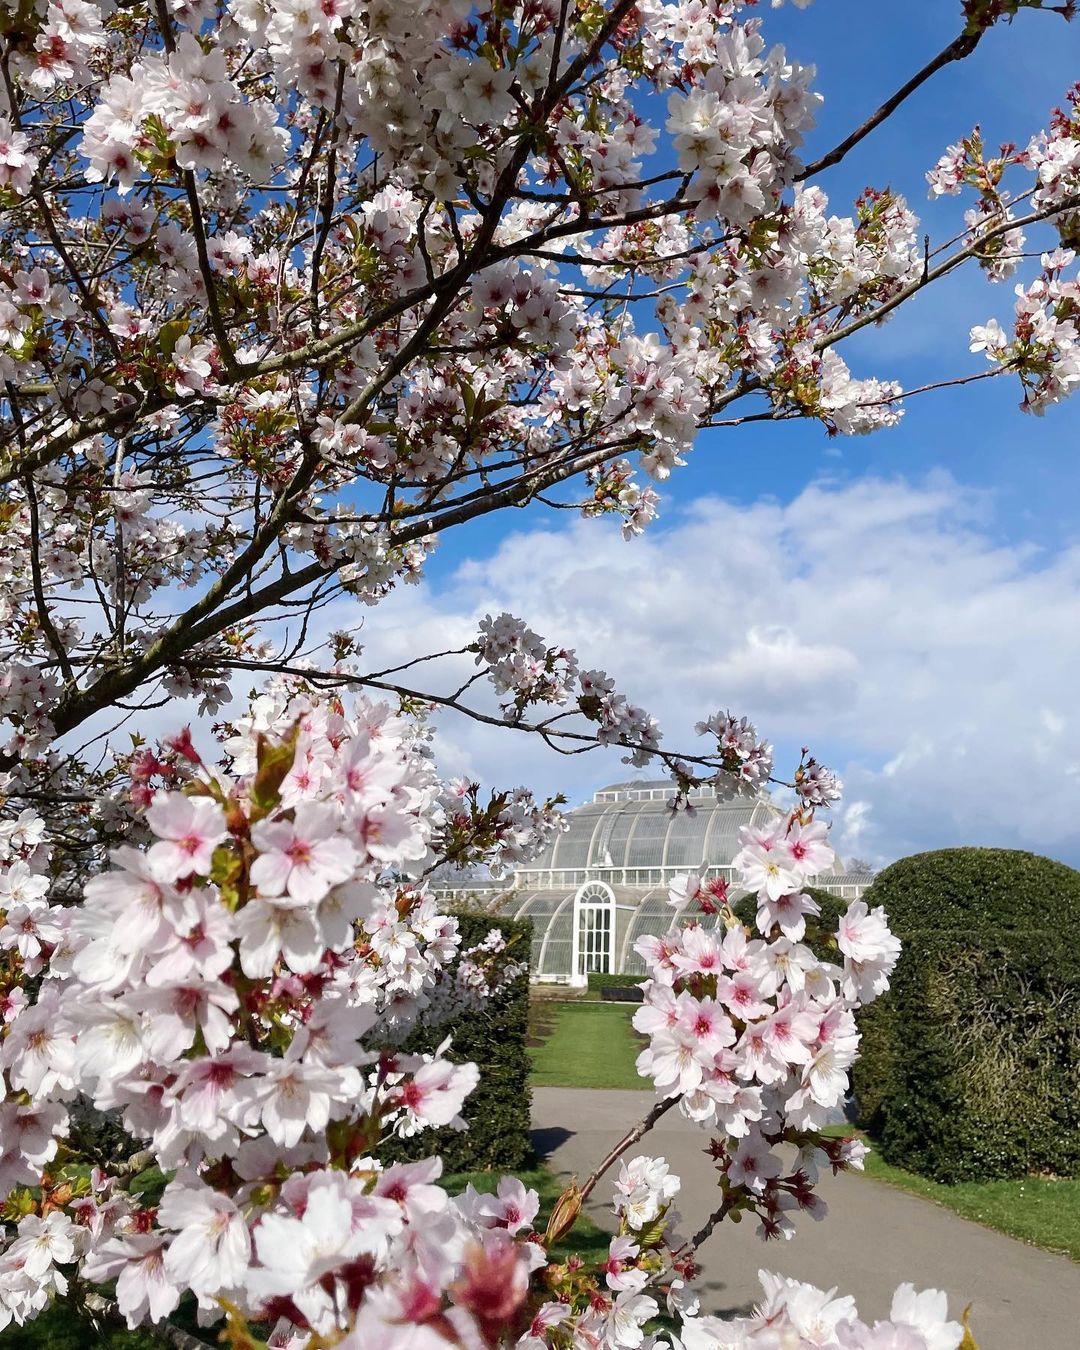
(582,742)
(203,621)
(44,617)
(416,660)
(707,1229)
(327,204)
(628,1140)
(947,265)
(935,385)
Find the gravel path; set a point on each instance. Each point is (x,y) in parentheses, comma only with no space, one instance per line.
(874,1237)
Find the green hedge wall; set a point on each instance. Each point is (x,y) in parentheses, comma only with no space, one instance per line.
(970,1065)
(624,982)
(498,1111)
(598,981)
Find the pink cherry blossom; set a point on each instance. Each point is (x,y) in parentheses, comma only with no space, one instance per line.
(212,1247)
(188,830)
(301,860)
(137,1262)
(435,1093)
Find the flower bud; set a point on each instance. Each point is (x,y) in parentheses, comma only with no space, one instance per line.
(564,1215)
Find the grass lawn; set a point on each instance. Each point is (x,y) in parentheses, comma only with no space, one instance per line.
(592,1045)
(583,1045)
(1043,1212)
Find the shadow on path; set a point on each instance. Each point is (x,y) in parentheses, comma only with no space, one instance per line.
(546,1141)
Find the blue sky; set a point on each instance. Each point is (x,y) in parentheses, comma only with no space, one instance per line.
(917,622)
(862,51)
(907,604)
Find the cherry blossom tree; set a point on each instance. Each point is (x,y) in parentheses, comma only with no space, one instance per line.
(288,291)
(235,987)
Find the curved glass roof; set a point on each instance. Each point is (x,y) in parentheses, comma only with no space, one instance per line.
(640,830)
(625,846)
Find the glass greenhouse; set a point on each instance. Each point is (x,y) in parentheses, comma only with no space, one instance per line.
(603,883)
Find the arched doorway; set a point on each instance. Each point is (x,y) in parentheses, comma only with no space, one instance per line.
(594,931)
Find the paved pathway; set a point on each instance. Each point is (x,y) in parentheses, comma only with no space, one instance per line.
(874,1236)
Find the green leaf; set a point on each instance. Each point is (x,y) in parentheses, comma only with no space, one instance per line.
(274,760)
(18,1205)
(170,335)
(225,869)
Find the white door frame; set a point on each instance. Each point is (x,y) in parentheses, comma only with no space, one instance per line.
(591,898)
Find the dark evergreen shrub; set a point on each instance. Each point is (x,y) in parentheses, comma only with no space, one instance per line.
(970,1064)
(820,928)
(493,1037)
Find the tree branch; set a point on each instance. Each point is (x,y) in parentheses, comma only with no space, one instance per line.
(165,1332)
(946,265)
(957,50)
(628,1140)
(44,617)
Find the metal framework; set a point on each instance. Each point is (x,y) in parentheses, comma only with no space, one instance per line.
(603,883)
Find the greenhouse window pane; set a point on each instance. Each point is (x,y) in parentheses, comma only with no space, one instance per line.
(619,834)
(686,838)
(647,842)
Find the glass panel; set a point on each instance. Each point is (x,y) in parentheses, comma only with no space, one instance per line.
(554,956)
(686,838)
(647,843)
(540,906)
(572,847)
(619,834)
(604,852)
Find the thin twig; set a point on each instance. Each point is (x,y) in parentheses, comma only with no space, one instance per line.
(949,264)
(958,48)
(628,1140)
(44,617)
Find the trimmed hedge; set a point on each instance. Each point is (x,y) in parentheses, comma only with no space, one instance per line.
(970,1065)
(620,993)
(599,982)
(597,978)
(498,1110)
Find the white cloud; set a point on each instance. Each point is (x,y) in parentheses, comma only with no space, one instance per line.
(852,825)
(882,623)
